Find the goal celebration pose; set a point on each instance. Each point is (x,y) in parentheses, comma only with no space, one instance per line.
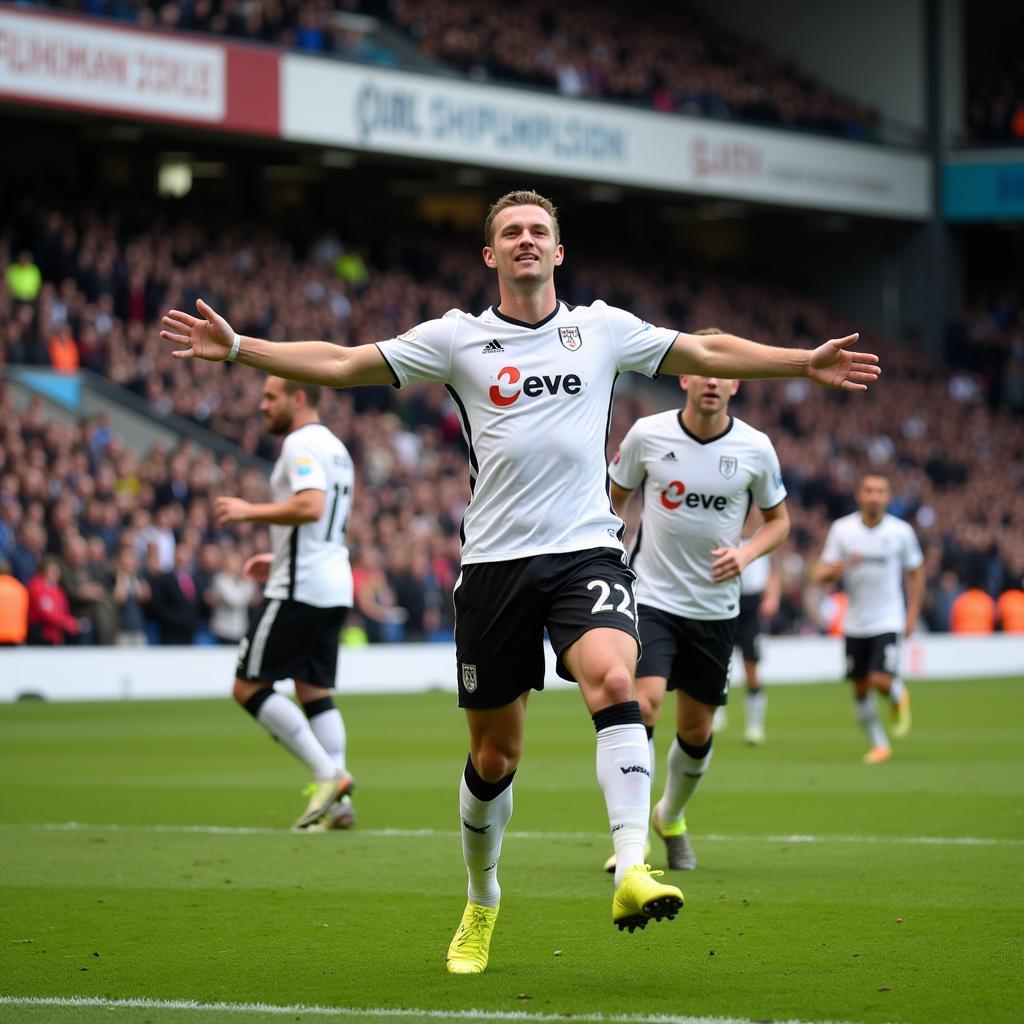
(532,378)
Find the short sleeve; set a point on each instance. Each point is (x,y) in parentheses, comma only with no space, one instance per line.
(626,469)
(768,489)
(833,550)
(422,354)
(911,555)
(303,465)
(638,345)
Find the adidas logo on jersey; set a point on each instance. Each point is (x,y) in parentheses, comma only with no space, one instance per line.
(671,457)
(492,346)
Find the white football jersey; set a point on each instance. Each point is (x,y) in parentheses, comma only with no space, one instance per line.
(311,561)
(754,578)
(696,498)
(535,404)
(874,559)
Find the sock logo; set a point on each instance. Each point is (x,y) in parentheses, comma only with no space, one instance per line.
(635,768)
(473,828)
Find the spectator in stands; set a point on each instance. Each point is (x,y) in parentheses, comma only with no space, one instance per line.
(131,594)
(29,550)
(230,596)
(375,600)
(1010,610)
(50,622)
(89,599)
(63,349)
(13,608)
(24,278)
(973,612)
(175,602)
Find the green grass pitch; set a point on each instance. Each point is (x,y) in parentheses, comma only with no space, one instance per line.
(826,890)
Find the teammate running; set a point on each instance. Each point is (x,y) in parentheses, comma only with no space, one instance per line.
(307,594)
(532,378)
(872,551)
(700,469)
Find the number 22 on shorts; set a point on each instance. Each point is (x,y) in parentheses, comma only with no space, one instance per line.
(602,604)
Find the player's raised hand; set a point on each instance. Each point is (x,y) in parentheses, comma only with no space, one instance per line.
(208,336)
(833,366)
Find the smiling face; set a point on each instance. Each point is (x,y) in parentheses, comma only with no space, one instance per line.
(524,248)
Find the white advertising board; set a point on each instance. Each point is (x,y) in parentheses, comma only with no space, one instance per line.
(483,125)
(140,673)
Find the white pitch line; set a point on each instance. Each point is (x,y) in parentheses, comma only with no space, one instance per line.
(375,1012)
(418,833)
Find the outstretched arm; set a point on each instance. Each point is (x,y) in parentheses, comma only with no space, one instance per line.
(725,355)
(209,336)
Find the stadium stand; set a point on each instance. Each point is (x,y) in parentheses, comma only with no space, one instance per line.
(101,287)
(667,58)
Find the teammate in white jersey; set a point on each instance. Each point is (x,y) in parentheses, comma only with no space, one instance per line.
(872,552)
(533,381)
(307,593)
(700,470)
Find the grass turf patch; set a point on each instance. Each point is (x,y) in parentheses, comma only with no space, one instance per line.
(854,923)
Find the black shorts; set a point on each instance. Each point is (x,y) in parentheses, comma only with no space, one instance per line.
(866,654)
(503,608)
(292,640)
(749,627)
(694,655)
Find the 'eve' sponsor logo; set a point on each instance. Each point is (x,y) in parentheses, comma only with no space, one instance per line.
(513,384)
(676,495)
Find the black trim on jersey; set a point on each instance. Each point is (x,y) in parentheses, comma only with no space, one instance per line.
(397,383)
(293,558)
(631,558)
(664,356)
(701,440)
(467,434)
(768,508)
(523,323)
(607,476)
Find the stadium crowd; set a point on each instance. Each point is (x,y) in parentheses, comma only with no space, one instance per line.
(82,290)
(996,114)
(665,57)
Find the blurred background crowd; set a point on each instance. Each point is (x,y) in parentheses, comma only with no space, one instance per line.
(665,57)
(128,537)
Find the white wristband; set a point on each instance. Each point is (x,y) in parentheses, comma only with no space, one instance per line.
(236,344)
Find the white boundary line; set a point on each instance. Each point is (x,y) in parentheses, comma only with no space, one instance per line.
(419,833)
(374,1012)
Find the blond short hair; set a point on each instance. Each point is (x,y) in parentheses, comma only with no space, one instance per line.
(521,197)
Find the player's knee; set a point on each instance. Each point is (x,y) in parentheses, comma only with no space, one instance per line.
(241,691)
(696,734)
(616,684)
(494,760)
(650,707)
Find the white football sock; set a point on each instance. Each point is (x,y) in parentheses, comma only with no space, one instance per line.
(483,826)
(867,715)
(756,706)
(896,690)
(286,723)
(684,775)
(624,774)
(329,728)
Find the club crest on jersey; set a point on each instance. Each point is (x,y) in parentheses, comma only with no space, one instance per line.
(570,338)
(469,683)
(727,465)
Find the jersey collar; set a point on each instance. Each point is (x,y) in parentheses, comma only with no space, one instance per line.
(523,323)
(702,440)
